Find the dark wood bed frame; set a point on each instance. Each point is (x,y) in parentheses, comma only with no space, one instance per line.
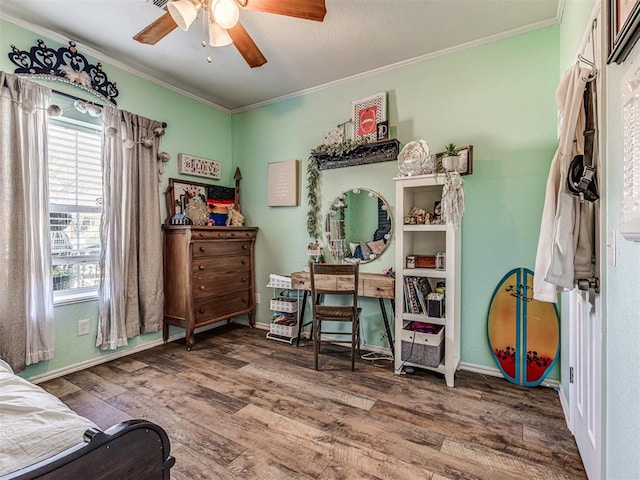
(131,450)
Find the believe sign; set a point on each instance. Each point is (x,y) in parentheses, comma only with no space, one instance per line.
(201,167)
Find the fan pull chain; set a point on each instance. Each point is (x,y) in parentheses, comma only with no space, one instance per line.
(205,31)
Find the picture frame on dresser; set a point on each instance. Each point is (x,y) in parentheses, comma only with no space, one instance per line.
(217,197)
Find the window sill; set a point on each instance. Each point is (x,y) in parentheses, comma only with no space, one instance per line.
(74,297)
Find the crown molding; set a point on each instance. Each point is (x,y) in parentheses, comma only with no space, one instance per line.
(394,66)
(101,56)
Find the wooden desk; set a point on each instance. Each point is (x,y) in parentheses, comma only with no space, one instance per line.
(375,285)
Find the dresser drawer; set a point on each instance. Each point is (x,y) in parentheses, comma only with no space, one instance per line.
(216,307)
(211,249)
(209,235)
(216,265)
(221,284)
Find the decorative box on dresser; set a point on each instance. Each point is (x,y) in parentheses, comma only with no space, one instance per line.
(208,276)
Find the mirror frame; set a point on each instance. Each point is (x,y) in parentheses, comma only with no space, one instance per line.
(339,248)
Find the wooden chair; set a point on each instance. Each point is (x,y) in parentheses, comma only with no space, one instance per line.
(335,280)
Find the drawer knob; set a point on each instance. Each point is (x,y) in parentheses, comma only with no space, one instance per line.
(244,247)
(201,310)
(243,262)
(200,267)
(244,280)
(202,287)
(220,234)
(232,235)
(201,234)
(202,249)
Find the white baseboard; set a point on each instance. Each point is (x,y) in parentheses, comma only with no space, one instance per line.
(76,367)
(565,409)
(494,372)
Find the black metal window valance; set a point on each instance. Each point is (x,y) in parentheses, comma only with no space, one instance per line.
(64,65)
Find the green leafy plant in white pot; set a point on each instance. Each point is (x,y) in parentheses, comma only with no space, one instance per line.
(450,158)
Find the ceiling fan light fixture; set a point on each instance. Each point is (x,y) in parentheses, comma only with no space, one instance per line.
(218,36)
(226,13)
(183,13)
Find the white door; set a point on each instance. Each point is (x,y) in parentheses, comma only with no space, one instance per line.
(585,312)
(586,389)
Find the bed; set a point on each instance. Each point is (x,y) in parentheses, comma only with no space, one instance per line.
(41,438)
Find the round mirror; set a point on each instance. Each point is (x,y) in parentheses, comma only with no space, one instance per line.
(358,226)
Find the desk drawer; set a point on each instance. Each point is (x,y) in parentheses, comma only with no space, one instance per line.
(211,249)
(217,307)
(323,282)
(376,288)
(221,284)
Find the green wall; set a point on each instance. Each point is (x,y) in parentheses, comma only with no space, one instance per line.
(498,97)
(193,127)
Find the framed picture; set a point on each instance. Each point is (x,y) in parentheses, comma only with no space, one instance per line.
(624,28)
(630,209)
(283,181)
(218,200)
(465,164)
(383,130)
(200,167)
(366,114)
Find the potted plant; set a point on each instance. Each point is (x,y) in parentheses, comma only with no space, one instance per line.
(450,158)
(63,277)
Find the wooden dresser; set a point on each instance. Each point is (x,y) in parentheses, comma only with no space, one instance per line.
(208,276)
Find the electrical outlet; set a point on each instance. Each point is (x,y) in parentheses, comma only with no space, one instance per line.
(83,327)
(257,298)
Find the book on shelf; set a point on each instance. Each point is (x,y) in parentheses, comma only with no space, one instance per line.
(416,290)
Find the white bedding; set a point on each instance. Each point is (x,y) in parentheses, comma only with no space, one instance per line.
(34,424)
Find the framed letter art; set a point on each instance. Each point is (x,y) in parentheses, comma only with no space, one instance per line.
(200,167)
(366,114)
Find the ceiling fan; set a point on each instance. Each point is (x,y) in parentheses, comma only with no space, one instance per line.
(222,18)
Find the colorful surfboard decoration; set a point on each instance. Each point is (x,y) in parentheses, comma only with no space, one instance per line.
(523,333)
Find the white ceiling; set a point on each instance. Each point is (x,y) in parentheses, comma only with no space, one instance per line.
(356,37)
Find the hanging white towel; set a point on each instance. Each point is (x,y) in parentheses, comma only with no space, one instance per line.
(564,225)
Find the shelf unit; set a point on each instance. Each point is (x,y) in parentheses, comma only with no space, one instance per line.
(422,192)
(285,305)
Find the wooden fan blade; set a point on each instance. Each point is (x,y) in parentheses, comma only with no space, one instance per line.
(246,46)
(156,31)
(307,9)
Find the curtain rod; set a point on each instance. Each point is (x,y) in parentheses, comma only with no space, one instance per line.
(73,97)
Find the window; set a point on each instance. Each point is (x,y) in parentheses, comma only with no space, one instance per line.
(75,205)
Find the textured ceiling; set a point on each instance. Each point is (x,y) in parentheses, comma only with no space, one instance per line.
(356,37)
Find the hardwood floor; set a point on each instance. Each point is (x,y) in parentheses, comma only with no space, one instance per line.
(241,406)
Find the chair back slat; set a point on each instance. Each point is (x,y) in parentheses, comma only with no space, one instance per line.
(335,279)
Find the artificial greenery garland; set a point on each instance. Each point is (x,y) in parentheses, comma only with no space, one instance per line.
(313,214)
(313,179)
(340,149)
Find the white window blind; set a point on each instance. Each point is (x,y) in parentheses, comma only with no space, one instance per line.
(75,205)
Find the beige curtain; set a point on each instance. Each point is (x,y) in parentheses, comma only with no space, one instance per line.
(131,294)
(26,284)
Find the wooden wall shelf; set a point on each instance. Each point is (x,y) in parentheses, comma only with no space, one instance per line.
(383,151)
